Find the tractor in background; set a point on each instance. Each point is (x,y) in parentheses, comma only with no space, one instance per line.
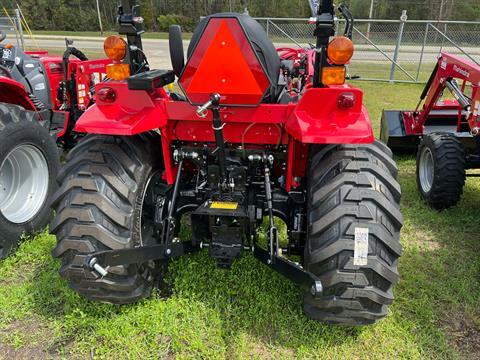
(445,132)
(41,96)
(253,136)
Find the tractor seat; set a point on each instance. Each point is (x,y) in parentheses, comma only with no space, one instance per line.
(262,45)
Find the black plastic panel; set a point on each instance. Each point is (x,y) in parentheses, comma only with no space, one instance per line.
(151,80)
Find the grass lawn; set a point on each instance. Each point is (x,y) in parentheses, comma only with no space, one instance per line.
(251,311)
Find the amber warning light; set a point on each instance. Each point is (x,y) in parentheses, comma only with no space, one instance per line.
(224,62)
(340,50)
(115,48)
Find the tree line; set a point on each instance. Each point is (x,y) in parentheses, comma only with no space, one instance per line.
(81,15)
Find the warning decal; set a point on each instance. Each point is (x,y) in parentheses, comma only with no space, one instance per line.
(360,257)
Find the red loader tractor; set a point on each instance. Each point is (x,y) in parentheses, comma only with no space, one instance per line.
(445,131)
(254,137)
(40,98)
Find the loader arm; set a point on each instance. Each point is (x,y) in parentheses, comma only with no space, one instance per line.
(449,69)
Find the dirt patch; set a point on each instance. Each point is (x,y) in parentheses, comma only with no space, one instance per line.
(8,352)
(427,240)
(26,339)
(463,334)
(257,349)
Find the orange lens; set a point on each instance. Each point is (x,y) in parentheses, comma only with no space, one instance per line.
(334,75)
(118,71)
(115,47)
(340,50)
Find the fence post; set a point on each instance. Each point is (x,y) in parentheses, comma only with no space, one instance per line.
(425,39)
(18,21)
(403,19)
(268,27)
(443,37)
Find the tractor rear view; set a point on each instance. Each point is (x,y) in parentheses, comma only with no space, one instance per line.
(41,96)
(255,136)
(446,132)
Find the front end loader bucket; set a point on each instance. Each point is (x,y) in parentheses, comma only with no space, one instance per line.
(392,132)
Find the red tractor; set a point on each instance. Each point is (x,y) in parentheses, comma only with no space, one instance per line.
(446,132)
(41,96)
(253,138)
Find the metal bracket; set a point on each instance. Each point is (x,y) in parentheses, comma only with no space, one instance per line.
(102,260)
(291,271)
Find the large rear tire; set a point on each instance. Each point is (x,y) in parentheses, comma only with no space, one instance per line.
(29,163)
(441,170)
(353,236)
(103,203)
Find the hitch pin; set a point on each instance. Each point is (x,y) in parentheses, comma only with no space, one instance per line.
(93,264)
(202,111)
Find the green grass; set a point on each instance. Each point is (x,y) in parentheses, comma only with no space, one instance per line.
(250,311)
(380,70)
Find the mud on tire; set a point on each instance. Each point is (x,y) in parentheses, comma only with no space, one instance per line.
(352,187)
(99,207)
(29,164)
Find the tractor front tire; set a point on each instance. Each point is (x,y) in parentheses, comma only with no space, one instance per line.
(102,205)
(29,164)
(353,236)
(441,170)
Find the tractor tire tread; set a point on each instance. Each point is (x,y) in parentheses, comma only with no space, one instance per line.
(449,170)
(21,126)
(97,209)
(352,187)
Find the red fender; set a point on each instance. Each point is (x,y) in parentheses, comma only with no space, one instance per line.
(13,92)
(132,112)
(322,118)
(318,118)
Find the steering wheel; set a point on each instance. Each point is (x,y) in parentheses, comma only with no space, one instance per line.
(5,72)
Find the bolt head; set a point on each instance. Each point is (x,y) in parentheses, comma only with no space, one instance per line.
(169,251)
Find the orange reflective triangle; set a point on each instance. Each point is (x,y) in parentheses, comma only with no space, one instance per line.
(224,69)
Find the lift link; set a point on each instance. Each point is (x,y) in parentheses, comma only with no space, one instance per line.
(219,139)
(272,231)
(102,260)
(287,268)
(169,226)
(217,125)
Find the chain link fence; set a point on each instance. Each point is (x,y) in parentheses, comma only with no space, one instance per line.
(385,50)
(390,50)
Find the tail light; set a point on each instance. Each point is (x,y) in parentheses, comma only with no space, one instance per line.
(55,68)
(107,95)
(346,101)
